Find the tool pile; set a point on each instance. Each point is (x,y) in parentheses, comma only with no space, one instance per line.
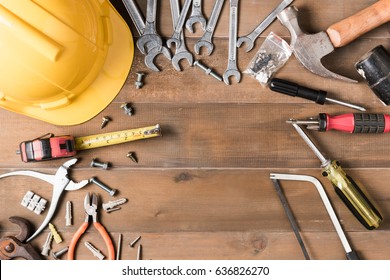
(309,49)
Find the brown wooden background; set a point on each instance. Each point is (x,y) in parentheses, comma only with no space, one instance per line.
(202,191)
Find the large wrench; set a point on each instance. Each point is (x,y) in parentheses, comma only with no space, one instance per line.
(249,39)
(206,40)
(175,39)
(181,52)
(151,46)
(196,16)
(232,69)
(139,22)
(150,33)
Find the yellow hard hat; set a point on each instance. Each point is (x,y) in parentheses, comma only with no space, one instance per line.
(62,61)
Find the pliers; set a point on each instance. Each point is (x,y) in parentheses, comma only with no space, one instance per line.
(60,182)
(90,206)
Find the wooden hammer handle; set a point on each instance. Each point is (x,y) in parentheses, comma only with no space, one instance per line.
(347,30)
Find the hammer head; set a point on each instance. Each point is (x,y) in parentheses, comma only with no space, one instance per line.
(309,49)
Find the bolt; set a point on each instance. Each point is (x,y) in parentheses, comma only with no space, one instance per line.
(132,156)
(127,108)
(105,121)
(139,252)
(103,165)
(139,82)
(103,186)
(59,253)
(208,70)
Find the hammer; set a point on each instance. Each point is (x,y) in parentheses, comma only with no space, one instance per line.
(309,49)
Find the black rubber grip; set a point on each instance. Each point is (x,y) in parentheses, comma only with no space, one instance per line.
(293,89)
(352,256)
(369,123)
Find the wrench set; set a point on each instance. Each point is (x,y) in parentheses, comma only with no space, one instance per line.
(150,42)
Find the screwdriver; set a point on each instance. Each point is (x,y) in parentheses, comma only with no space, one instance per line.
(318,96)
(352,123)
(345,186)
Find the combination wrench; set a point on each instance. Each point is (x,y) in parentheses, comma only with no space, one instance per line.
(175,39)
(181,52)
(249,39)
(139,22)
(232,69)
(196,16)
(206,39)
(151,44)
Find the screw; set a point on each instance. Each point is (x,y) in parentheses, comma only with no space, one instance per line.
(208,70)
(139,82)
(105,121)
(59,253)
(103,186)
(103,165)
(135,241)
(127,108)
(132,156)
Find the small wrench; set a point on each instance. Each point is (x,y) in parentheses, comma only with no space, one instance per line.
(232,69)
(181,52)
(249,39)
(139,22)
(150,33)
(175,39)
(151,55)
(196,16)
(206,40)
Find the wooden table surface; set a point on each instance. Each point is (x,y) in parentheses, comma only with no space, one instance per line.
(202,191)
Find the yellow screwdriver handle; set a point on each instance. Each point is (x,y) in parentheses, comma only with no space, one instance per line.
(352,195)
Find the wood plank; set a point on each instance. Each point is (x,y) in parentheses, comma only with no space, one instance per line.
(209,136)
(224,200)
(253,227)
(240,245)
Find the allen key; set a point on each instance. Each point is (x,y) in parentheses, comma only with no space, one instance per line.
(351,254)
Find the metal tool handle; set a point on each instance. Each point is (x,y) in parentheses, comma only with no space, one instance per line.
(268,20)
(182,17)
(347,30)
(233,29)
(212,23)
(135,15)
(351,194)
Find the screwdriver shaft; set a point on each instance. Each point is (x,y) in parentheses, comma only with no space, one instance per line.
(310,143)
(342,103)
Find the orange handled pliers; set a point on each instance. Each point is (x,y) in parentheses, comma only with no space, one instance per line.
(90,206)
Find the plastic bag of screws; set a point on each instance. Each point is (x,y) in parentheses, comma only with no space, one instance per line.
(271,56)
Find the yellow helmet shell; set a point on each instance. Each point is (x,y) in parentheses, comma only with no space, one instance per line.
(62,61)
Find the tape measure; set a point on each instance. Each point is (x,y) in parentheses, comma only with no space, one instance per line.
(118,137)
(49,146)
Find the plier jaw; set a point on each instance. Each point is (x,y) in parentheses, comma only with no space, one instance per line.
(90,206)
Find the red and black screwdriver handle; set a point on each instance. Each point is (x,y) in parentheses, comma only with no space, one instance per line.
(355,123)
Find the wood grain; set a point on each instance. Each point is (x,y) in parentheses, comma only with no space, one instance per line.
(202,190)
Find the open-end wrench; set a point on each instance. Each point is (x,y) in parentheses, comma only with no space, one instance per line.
(150,33)
(206,40)
(196,16)
(175,39)
(232,69)
(151,55)
(139,22)
(181,52)
(249,39)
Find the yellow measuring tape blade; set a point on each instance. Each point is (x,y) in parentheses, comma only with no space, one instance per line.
(117,137)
